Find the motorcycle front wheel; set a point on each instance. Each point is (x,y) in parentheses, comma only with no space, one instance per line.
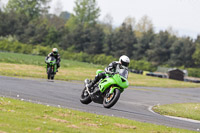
(85,97)
(52,76)
(49,73)
(111,99)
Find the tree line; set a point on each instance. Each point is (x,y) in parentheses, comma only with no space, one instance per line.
(30,23)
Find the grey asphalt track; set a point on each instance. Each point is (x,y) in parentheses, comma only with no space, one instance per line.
(135,102)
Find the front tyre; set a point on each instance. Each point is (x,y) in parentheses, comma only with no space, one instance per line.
(49,73)
(52,73)
(52,77)
(85,97)
(111,99)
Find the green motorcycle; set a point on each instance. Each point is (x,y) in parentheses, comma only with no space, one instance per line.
(51,67)
(110,89)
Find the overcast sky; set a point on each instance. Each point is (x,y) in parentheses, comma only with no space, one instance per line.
(182,15)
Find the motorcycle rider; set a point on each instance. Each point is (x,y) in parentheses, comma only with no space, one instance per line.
(111,69)
(55,54)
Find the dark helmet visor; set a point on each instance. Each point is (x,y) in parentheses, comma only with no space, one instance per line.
(124,63)
(55,52)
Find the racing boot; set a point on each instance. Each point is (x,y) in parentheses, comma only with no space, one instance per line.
(91,84)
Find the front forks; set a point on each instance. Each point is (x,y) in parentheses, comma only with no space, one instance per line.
(54,67)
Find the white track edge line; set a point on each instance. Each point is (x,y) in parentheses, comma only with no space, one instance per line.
(173,117)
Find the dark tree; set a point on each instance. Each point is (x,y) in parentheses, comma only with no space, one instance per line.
(12,24)
(122,42)
(94,39)
(181,52)
(31,8)
(143,45)
(159,51)
(85,39)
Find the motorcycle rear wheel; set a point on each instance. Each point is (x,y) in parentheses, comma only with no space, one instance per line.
(85,97)
(111,99)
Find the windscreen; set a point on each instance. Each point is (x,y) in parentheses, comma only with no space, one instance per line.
(123,72)
(51,58)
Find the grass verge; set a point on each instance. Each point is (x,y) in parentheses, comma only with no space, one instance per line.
(20,117)
(21,65)
(185,110)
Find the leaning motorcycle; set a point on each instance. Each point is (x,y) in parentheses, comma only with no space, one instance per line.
(51,67)
(110,89)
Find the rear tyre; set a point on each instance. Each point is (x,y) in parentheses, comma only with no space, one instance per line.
(85,97)
(111,99)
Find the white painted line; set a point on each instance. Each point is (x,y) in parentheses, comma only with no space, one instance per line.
(183,119)
(173,117)
(150,109)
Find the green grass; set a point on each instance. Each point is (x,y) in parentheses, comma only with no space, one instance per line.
(24,117)
(185,110)
(21,65)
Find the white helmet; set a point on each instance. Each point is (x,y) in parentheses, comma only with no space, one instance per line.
(55,51)
(124,60)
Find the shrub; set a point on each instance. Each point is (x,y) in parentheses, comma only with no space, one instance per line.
(142,65)
(193,72)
